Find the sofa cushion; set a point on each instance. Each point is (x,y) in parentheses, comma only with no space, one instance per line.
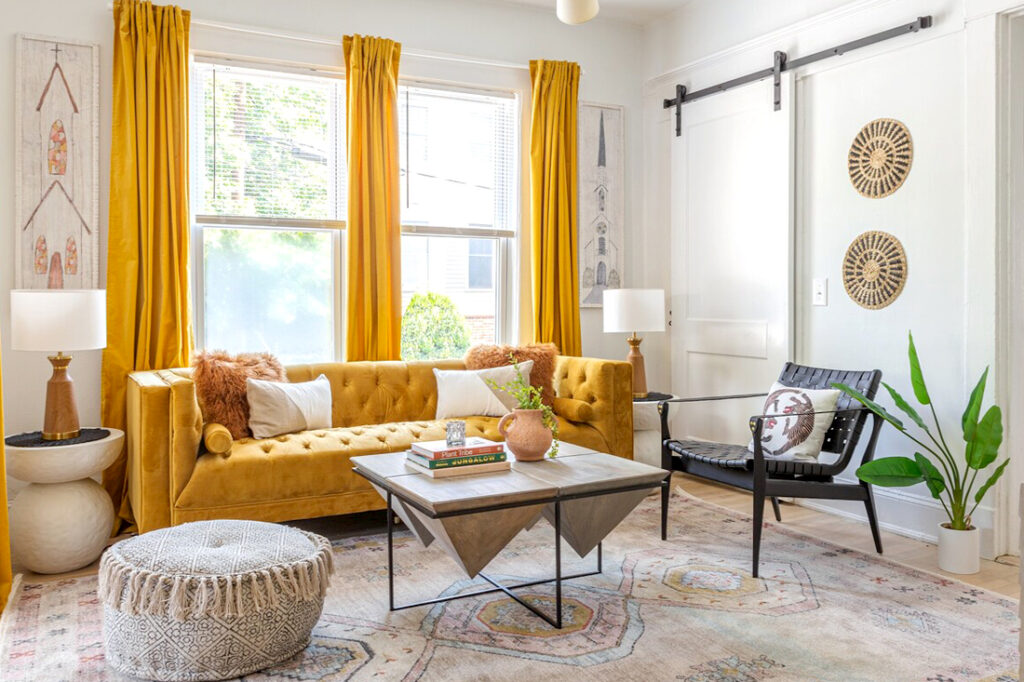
(378,392)
(314,463)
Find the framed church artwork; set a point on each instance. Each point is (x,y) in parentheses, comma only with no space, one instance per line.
(56,163)
(602,200)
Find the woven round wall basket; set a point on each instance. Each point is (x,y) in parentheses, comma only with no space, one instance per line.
(875,270)
(880,158)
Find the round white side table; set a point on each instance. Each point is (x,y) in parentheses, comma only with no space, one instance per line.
(62,520)
(647,430)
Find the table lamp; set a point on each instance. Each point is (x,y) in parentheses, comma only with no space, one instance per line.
(59,320)
(635,310)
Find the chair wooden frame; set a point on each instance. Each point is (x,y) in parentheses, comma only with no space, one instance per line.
(766,477)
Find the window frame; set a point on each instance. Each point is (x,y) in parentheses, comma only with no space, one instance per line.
(507,241)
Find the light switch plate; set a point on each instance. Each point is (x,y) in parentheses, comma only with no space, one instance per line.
(819,291)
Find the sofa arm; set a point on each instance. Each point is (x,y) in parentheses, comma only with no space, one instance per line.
(164,431)
(607,386)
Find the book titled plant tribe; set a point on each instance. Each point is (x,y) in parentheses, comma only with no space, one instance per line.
(439,449)
(449,462)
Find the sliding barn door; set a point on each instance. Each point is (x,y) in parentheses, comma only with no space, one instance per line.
(732,255)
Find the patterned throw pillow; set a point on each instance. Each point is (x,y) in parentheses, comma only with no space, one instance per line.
(220,385)
(798,434)
(542,354)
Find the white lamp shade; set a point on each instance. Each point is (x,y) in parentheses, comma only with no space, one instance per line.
(634,310)
(576,11)
(58,319)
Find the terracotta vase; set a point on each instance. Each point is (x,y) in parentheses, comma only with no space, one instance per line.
(527,437)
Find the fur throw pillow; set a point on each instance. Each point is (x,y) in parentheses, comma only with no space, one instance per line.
(543,355)
(220,385)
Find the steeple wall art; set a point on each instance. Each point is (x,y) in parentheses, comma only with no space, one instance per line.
(602,211)
(57,164)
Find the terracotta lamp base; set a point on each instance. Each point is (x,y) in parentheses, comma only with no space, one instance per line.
(636,359)
(61,419)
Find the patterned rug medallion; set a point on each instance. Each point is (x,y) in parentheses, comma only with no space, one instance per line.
(686,609)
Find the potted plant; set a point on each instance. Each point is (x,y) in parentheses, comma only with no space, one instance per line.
(531,428)
(953,481)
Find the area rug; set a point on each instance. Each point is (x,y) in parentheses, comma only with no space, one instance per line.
(686,609)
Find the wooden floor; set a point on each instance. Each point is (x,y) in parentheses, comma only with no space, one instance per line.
(996,576)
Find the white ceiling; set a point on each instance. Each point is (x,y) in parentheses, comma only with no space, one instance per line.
(635,11)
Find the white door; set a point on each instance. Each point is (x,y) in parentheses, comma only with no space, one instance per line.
(732,256)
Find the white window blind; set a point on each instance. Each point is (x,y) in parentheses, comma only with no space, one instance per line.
(270,144)
(458,160)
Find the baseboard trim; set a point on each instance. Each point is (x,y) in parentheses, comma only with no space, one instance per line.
(862,519)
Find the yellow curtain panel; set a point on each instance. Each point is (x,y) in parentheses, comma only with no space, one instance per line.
(374,229)
(148,318)
(6,576)
(553,205)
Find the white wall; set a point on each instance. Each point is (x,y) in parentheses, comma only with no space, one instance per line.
(940,82)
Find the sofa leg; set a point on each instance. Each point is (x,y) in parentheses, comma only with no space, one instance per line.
(775,507)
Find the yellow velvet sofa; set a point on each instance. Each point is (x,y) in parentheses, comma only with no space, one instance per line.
(377,407)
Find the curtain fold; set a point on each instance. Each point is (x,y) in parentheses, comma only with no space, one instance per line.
(554,255)
(373,231)
(6,576)
(149,321)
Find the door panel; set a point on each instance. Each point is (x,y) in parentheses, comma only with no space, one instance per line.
(732,256)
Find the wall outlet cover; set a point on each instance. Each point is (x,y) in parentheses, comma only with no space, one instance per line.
(819,291)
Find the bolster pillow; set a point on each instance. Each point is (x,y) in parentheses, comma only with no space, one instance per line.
(217,438)
(574,410)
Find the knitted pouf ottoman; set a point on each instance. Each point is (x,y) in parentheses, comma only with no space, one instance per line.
(211,600)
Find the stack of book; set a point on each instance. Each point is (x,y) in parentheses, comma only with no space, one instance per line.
(437,460)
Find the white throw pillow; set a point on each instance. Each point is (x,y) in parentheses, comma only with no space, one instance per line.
(465,392)
(276,407)
(801,435)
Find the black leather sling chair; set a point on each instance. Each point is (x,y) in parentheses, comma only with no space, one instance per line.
(736,466)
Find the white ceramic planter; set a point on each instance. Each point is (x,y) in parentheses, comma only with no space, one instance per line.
(959,550)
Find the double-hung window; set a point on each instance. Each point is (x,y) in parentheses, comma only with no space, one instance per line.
(460,199)
(269,197)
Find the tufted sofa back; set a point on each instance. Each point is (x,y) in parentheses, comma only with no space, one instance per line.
(378,392)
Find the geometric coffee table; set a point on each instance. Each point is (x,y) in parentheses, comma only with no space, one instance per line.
(584,494)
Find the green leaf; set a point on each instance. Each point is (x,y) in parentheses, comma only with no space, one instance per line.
(973,409)
(891,472)
(991,481)
(916,375)
(988,436)
(907,408)
(870,404)
(932,476)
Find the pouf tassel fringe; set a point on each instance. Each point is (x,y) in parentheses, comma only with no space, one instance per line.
(239,605)
(138,592)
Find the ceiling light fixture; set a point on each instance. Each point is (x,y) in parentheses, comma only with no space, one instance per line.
(576,11)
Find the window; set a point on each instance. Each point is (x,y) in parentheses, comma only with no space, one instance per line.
(481,264)
(459,170)
(269,197)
